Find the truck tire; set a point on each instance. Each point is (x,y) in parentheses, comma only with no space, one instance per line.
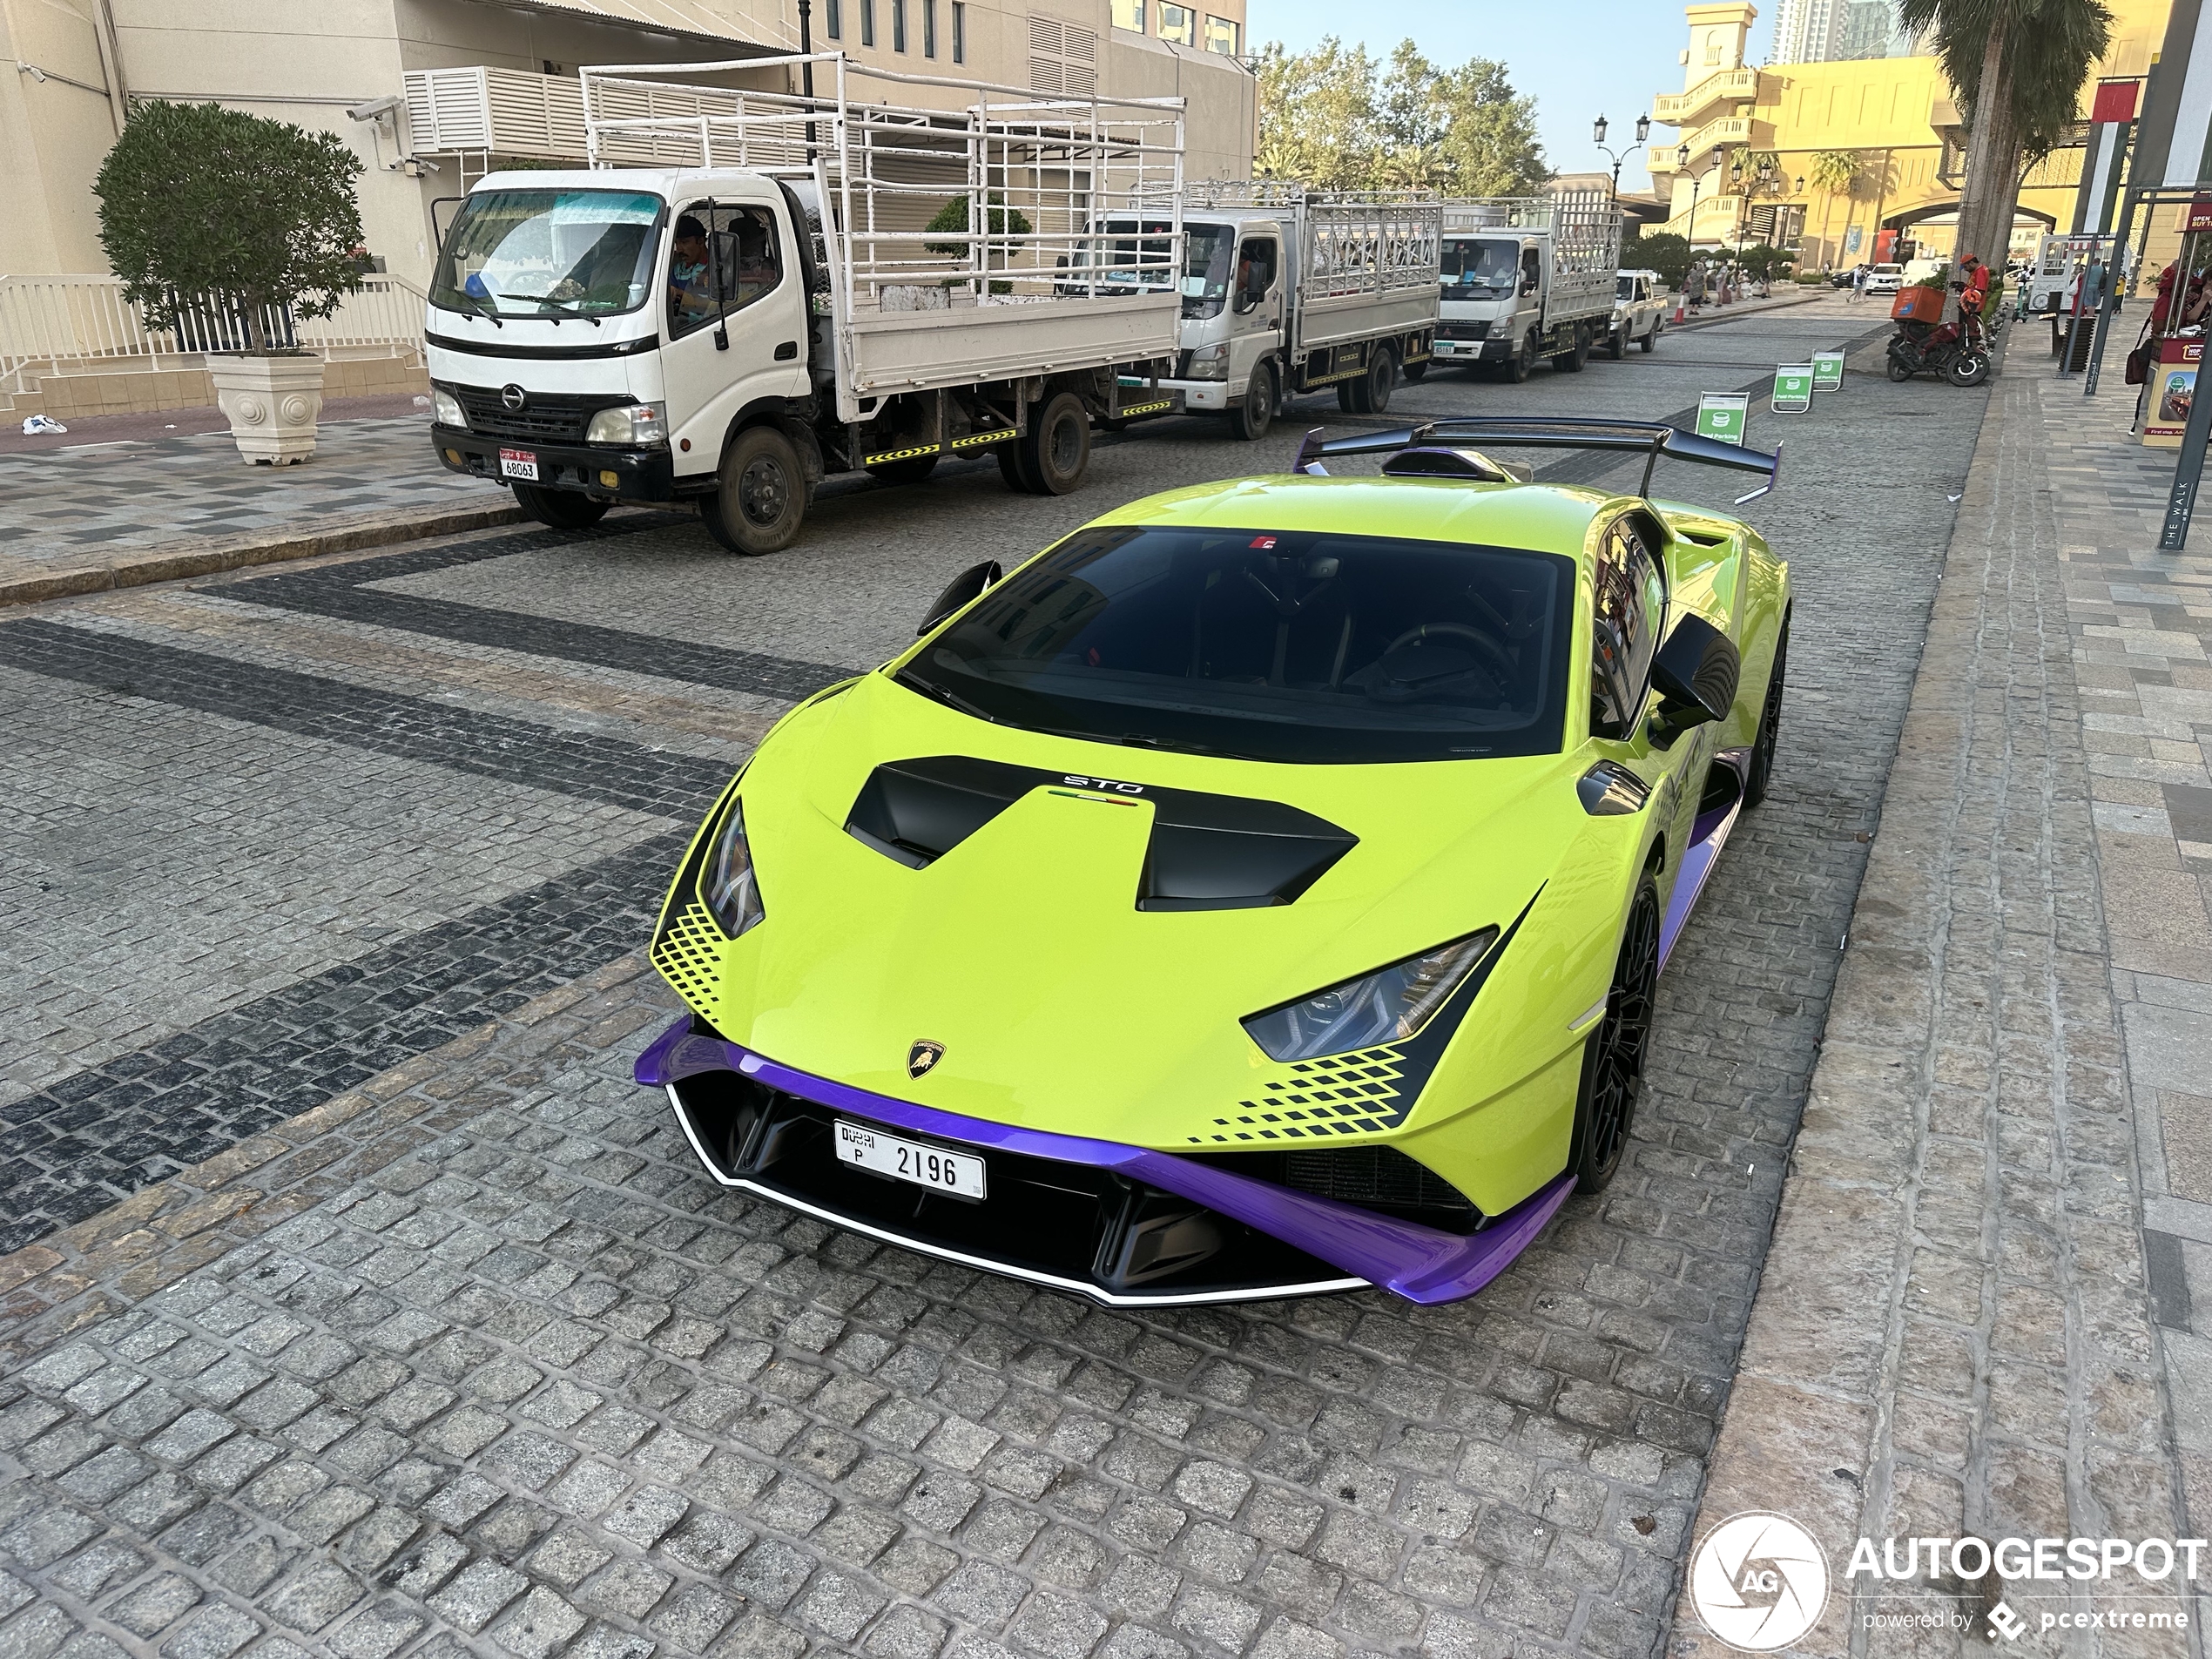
(1252,419)
(560,510)
(1616,343)
(1374,387)
(1056,450)
(1570,361)
(760,497)
(1009,456)
(1522,362)
(911,470)
(1414,372)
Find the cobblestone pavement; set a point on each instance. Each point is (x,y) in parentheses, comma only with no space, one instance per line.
(362,1306)
(1965,1326)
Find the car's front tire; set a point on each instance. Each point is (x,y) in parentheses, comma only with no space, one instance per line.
(1613,1059)
(560,510)
(1761,772)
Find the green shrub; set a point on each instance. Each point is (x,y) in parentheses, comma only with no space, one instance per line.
(198,201)
(1662,251)
(952,216)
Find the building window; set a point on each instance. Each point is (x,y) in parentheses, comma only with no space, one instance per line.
(833,21)
(1178,22)
(959,31)
(1129,14)
(898,25)
(867,23)
(1221,35)
(929,28)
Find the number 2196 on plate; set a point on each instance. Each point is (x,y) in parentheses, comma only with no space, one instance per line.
(926,1166)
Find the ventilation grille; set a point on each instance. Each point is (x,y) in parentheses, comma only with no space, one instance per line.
(1063,59)
(1344,1094)
(689,955)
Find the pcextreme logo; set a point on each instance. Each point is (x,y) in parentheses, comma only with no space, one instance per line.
(1759,1581)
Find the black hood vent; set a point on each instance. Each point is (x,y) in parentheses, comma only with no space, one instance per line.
(1206,853)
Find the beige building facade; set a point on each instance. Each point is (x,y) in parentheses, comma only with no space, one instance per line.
(431,94)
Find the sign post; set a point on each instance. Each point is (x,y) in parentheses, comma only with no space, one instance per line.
(1827,371)
(1793,388)
(1722,415)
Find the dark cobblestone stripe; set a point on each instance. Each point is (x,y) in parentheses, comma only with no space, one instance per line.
(100,1135)
(346,593)
(580,764)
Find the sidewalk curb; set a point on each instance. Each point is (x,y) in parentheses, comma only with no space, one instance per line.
(210,555)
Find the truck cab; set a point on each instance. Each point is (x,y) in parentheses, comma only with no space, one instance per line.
(1526,279)
(1491,298)
(1234,304)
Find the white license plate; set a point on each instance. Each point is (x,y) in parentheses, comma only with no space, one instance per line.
(926,1166)
(518,464)
(1446,348)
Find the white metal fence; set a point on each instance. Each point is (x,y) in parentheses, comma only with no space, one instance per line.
(75,322)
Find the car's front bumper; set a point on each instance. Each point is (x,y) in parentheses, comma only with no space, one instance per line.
(609,474)
(1063,1210)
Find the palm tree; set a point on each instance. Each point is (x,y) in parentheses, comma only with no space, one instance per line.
(2016,67)
(1834,173)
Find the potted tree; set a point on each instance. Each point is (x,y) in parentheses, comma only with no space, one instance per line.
(226,227)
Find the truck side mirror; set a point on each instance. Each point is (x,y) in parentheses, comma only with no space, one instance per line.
(1694,672)
(969,586)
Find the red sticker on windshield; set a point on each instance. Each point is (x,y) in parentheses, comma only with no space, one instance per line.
(1263,542)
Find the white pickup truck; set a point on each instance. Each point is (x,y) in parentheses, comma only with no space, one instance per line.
(1528,279)
(1639,312)
(728,332)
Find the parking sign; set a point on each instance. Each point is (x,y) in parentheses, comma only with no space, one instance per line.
(1721,414)
(1827,371)
(1793,388)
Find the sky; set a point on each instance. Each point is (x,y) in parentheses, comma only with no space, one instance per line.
(1577,58)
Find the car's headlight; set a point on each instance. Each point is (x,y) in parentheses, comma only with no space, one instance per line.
(630,423)
(446,410)
(1385,1006)
(1210,362)
(727,885)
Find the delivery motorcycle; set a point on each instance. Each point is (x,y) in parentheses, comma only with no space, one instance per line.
(1958,351)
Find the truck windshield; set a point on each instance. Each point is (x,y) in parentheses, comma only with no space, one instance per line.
(1473,266)
(1279,645)
(1206,250)
(548,253)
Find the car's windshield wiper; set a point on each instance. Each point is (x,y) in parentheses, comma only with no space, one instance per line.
(937,693)
(482,307)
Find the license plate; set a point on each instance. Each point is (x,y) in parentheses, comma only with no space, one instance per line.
(518,464)
(1446,348)
(926,1166)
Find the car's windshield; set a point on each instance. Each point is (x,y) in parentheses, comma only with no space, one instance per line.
(1624,288)
(548,253)
(1206,249)
(1475,265)
(1283,645)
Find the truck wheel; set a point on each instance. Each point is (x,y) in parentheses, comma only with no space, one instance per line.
(1056,451)
(1414,372)
(1650,341)
(911,470)
(1256,413)
(1010,468)
(1375,385)
(560,510)
(759,499)
(1616,344)
(1522,362)
(1570,361)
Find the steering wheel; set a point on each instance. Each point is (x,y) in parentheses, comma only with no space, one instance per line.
(1492,654)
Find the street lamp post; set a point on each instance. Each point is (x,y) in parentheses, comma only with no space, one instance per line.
(1597,138)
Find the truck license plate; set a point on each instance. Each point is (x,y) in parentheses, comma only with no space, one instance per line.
(926,1166)
(518,464)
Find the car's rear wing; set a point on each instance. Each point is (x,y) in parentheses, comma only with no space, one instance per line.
(1652,438)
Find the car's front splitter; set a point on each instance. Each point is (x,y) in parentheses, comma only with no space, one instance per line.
(1424,1265)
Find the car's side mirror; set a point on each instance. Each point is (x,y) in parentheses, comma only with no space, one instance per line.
(1695,673)
(970,584)
(1527,286)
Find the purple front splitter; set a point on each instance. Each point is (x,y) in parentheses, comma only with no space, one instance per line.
(1421,1263)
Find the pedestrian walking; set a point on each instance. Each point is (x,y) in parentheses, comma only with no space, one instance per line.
(1857,283)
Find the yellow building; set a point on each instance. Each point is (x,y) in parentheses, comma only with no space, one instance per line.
(1893,118)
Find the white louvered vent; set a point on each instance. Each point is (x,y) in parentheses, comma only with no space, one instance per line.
(1063,58)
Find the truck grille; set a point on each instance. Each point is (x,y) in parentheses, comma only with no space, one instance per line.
(1477,330)
(550,417)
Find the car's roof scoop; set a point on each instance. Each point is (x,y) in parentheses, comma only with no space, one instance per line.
(1652,438)
(1435,461)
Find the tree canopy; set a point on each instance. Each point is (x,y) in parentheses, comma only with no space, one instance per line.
(198,202)
(1336,118)
(1664,251)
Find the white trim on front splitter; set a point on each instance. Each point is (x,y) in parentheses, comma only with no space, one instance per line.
(1321,1287)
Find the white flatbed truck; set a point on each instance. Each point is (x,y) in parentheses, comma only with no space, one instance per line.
(730,329)
(1528,279)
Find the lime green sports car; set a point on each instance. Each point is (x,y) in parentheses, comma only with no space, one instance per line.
(1260,893)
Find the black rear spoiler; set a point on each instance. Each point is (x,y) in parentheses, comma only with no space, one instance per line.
(1652,438)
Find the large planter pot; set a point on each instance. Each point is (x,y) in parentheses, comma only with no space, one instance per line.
(271,401)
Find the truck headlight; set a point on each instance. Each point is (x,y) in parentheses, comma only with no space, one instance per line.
(727,885)
(1385,1006)
(446,410)
(1210,362)
(629,424)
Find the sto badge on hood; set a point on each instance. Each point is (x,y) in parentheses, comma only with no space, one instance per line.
(923,1055)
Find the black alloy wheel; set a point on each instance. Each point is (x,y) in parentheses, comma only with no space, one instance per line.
(760,501)
(1613,1060)
(1251,419)
(911,470)
(560,510)
(1762,773)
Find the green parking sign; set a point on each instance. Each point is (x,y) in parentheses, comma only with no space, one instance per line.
(1827,371)
(1722,415)
(1793,388)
